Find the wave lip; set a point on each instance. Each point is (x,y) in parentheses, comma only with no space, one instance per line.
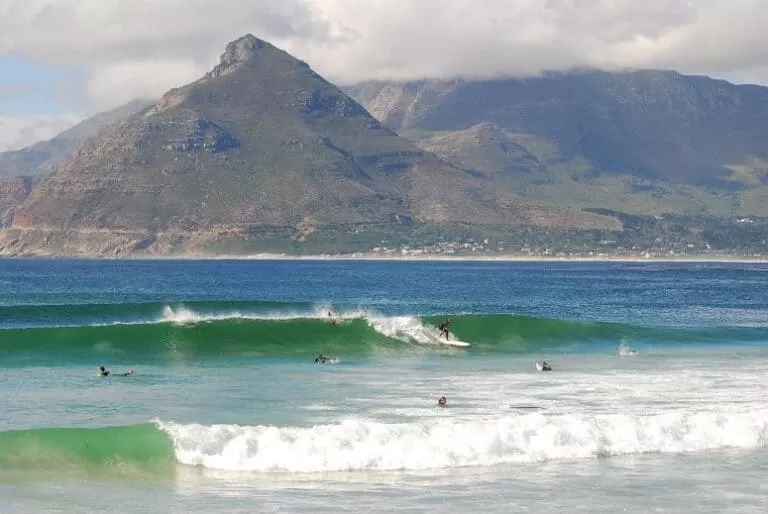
(359,445)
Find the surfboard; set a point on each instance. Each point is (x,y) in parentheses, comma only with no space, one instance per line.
(450,342)
(526,407)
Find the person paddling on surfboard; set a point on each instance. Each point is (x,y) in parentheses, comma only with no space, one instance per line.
(443,328)
(105,373)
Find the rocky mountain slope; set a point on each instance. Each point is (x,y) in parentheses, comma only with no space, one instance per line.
(261,148)
(45,157)
(647,141)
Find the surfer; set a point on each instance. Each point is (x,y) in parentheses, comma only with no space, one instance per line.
(442,401)
(105,373)
(443,328)
(331,319)
(321,359)
(545,366)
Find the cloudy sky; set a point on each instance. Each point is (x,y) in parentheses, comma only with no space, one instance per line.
(61,60)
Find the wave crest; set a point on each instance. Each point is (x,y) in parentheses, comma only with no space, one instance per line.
(359,445)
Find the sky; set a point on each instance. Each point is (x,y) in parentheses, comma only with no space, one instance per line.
(63,60)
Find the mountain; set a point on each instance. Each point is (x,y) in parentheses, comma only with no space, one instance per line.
(260,153)
(21,170)
(45,157)
(647,141)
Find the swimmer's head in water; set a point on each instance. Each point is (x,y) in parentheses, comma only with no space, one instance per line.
(442,401)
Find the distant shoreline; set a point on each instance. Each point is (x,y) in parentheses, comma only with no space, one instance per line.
(410,258)
(501,258)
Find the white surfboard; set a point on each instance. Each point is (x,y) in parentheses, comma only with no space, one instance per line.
(450,342)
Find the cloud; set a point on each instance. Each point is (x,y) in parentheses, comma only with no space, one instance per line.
(142,47)
(121,82)
(16,89)
(20,131)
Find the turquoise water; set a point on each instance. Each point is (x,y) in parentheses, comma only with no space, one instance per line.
(656,402)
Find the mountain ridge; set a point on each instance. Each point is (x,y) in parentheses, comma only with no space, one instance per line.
(261,146)
(696,127)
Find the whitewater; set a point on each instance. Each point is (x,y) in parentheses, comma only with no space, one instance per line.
(656,402)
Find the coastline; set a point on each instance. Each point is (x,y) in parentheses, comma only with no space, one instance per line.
(719,258)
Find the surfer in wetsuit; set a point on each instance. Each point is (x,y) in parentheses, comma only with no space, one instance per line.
(321,359)
(331,320)
(443,328)
(545,366)
(103,372)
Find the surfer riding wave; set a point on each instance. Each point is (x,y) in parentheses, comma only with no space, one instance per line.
(443,328)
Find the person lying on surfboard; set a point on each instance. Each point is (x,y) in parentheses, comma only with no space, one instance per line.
(443,328)
(105,373)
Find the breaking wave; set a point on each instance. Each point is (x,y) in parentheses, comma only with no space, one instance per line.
(361,446)
(267,329)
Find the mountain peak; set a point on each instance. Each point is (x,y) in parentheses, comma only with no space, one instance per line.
(238,53)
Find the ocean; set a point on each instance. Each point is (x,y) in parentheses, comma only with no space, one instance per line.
(657,401)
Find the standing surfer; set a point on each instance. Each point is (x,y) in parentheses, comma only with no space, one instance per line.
(444,328)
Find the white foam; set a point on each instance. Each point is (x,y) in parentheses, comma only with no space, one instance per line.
(405,328)
(360,445)
(626,351)
(185,316)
